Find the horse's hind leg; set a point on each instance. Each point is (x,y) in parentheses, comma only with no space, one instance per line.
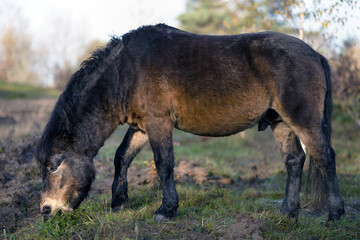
(294,157)
(324,156)
(131,145)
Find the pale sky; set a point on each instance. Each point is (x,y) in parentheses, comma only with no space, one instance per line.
(98,19)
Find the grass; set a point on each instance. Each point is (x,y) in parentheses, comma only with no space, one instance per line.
(17,90)
(205,212)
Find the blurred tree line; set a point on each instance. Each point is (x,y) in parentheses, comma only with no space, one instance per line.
(21,63)
(63,72)
(231,17)
(24,59)
(346,79)
(16,56)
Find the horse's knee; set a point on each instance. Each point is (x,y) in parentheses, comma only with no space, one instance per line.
(326,161)
(295,163)
(295,160)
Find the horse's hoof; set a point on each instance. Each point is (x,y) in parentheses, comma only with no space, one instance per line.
(333,217)
(336,215)
(290,212)
(118,208)
(160,218)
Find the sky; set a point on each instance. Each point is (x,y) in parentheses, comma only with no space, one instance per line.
(98,19)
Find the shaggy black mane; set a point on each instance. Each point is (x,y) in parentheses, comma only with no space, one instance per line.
(96,59)
(66,107)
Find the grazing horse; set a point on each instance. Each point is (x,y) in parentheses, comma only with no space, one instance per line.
(158,78)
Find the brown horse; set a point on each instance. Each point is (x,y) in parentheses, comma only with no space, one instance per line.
(158,78)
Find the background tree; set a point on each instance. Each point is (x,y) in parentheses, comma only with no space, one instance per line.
(62,73)
(230,17)
(17,56)
(89,49)
(289,16)
(66,42)
(331,14)
(346,79)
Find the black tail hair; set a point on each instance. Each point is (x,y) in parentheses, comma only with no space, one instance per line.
(315,188)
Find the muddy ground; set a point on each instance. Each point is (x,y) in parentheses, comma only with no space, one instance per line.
(21,123)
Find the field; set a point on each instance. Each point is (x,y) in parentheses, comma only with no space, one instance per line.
(229,188)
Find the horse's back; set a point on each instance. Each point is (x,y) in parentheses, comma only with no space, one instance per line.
(220,85)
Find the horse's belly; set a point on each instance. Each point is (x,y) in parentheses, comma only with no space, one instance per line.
(220,109)
(214,131)
(219,123)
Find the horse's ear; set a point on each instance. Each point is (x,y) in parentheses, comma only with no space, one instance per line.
(66,136)
(62,140)
(115,53)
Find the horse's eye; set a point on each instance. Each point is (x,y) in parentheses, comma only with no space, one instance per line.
(53,169)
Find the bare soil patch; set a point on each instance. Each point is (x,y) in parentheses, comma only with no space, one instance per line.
(245,227)
(20,183)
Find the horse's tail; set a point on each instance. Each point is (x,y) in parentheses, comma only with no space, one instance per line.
(328,100)
(315,188)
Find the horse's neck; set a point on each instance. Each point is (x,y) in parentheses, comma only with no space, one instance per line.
(95,128)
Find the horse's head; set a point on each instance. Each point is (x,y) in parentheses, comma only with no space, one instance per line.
(81,121)
(67,179)
(67,172)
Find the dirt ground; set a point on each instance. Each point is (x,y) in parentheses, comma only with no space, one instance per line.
(21,123)
(245,227)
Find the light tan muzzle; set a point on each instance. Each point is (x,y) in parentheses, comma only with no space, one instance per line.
(50,207)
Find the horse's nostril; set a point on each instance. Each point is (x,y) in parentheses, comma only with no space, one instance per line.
(46,210)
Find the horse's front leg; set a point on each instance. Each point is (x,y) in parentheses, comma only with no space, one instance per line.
(131,145)
(160,139)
